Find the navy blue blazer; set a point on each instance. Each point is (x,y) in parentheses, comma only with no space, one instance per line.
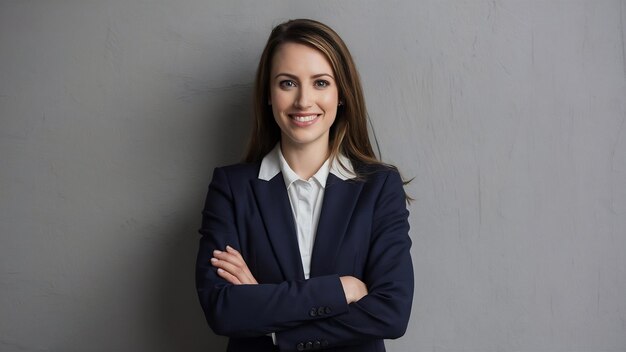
(362,232)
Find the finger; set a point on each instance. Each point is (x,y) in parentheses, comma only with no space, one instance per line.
(222,270)
(229,257)
(237,271)
(233,251)
(240,265)
(237,260)
(228,277)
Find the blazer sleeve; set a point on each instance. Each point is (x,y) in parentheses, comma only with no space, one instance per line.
(252,310)
(384,312)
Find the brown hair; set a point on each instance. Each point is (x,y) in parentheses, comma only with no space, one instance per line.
(348,134)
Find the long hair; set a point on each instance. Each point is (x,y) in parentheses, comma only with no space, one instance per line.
(348,134)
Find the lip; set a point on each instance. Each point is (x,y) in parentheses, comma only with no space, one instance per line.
(304,119)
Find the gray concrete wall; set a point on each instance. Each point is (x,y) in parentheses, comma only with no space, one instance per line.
(509,114)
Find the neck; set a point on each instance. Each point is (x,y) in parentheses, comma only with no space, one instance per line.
(305,161)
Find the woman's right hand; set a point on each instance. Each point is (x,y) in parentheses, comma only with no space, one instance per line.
(232,267)
(353,288)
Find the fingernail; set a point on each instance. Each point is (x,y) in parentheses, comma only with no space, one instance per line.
(217,252)
(213,260)
(220,270)
(228,247)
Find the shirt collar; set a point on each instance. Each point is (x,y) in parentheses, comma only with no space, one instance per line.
(274,162)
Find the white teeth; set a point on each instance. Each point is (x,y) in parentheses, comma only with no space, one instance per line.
(304,118)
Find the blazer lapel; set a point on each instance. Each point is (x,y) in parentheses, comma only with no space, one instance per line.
(340,198)
(274,206)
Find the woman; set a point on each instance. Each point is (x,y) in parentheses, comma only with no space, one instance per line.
(305,246)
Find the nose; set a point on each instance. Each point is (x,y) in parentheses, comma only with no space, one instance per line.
(304,99)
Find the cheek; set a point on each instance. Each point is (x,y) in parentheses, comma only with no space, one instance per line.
(278,114)
(329,104)
(280,100)
(329,99)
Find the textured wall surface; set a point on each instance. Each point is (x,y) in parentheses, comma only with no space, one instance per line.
(510,116)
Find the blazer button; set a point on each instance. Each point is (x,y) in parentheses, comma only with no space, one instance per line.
(313,312)
(308,346)
(300,347)
(327,310)
(320,311)
(317,345)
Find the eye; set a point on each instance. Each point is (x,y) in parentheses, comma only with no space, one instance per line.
(320,83)
(287,83)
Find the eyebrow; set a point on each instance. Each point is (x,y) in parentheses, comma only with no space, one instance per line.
(296,77)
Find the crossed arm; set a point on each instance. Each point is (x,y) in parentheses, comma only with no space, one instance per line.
(232,267)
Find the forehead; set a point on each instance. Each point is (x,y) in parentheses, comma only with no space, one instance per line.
(299,59)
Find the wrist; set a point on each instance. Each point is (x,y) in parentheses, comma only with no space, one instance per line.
(353,288)
(348,288)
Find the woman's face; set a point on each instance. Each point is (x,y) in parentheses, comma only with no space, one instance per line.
(304,96)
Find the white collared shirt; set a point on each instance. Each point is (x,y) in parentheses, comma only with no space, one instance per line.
(305,196)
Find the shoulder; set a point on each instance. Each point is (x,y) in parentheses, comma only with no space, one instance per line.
(240,168)
(236,173)
(384,180)
(377,173)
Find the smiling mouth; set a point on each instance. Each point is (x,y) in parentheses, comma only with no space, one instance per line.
(304,120)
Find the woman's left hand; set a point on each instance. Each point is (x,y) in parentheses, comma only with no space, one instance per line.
(231,267)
